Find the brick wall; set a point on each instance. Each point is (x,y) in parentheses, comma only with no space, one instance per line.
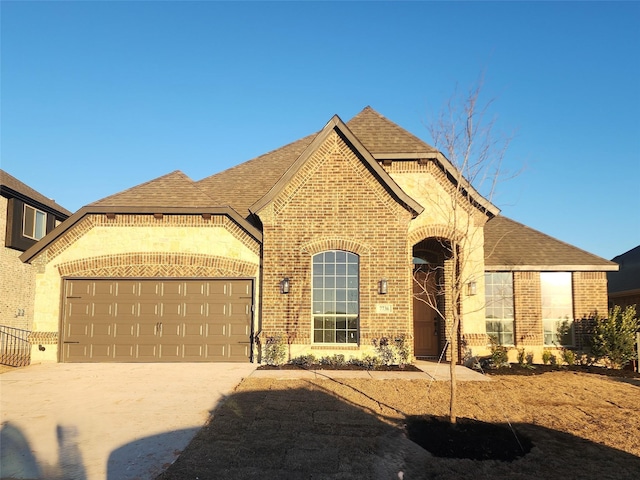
(17,282)
(589,299)
(527,309)
(335,202)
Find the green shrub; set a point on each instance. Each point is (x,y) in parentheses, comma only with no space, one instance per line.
(499,353)
(547,357)
(303,360)
(336,360)
(370,362)
(393,352)
(522,357)
(568,356)
(275,350)
(614,337)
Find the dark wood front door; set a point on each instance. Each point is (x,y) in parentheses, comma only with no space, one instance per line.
(425,318)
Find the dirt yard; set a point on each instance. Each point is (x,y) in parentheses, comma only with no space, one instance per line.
(581,425)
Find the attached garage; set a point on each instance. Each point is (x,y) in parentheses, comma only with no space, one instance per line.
(157,320)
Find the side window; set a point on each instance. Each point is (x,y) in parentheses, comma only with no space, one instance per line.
(499,306)
(557,308)
(335,298)
(34,223)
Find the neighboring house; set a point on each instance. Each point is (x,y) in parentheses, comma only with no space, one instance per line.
(317,241)
(624,285)
(25,217)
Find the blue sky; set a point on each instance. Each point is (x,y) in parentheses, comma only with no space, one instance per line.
(100,96)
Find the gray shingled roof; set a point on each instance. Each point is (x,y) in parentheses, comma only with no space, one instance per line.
(509,245)
(628,278)
(172,190)
(17,186)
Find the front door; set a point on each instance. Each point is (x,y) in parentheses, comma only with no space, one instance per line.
(425,317)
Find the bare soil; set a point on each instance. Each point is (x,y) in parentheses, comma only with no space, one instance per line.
(580,425)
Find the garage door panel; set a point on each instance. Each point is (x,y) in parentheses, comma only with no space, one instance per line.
(144,320)
(99,309)
(103,289)
(101,353)
(125,352)
(146,352)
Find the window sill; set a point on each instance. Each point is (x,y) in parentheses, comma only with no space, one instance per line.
(335,346)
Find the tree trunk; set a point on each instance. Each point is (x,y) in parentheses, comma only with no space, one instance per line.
(453,348)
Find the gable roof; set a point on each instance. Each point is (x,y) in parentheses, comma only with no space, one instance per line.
(337,125)
(10,186)
(382,137)
(174,189)
(627,279)
(509,245)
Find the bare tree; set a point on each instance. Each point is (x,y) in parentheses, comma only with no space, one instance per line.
(471,156)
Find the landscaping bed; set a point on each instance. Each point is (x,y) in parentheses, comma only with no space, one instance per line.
(584,425)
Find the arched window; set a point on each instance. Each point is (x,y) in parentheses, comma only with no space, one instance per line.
(335,305)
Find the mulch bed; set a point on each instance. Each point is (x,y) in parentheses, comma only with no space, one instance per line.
(317,366)
(516,369)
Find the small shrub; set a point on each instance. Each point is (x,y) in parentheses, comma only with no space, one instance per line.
(522,358)
(385,350)
(529,358)
(547,356)
(402,349)
(568,356)
(336,360)
(370,362)
(303,360)
(275,350)
(499,353)
(614,337)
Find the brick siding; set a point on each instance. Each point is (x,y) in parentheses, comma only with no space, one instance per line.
(335,203)
(17,282)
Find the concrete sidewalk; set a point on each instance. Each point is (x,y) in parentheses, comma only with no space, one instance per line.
(430,371)
(106,421)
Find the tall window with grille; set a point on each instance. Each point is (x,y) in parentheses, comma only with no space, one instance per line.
(335,300)
(557,308)
(499,306)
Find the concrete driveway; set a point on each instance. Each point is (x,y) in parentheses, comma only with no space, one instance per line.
(106,421)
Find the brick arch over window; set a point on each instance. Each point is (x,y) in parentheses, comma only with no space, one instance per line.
(158,264)
(436,230)
(348,245)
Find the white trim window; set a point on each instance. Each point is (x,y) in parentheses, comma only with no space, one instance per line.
(498,287)
(557,308)
(335,302)
(34,223)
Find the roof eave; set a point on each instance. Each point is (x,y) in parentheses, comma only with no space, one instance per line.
(47,240)
(551,268)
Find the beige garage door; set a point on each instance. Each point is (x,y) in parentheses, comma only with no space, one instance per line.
(127,320)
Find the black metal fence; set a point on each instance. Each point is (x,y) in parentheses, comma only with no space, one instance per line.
(15,349)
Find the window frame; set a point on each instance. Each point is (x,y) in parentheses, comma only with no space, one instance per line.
(569,339)
(34,225)
(336,287)
(504,304)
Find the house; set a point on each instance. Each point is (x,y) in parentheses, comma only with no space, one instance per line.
(624,285)
(25,217)
(320,242)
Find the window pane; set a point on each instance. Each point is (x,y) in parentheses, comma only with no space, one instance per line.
(335,297)
(557,307)
(29,221)
(499,306)
(41,224)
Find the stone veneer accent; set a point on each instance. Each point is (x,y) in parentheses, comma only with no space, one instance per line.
(158,264)
(43,338)
(145,220)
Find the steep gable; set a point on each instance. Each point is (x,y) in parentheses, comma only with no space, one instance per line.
(381,136)
(509,245)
